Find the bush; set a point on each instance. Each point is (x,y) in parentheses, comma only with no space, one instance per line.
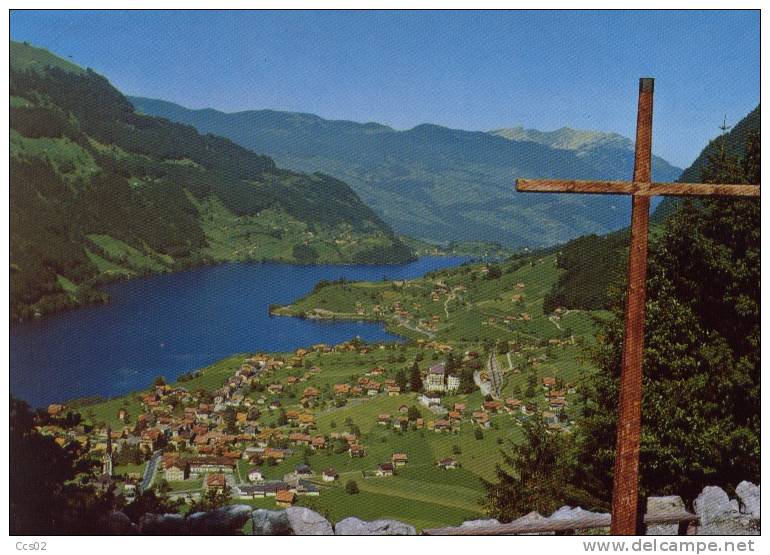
(351,488)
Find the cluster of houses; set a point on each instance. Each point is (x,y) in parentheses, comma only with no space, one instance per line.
(555,397)
(285,491)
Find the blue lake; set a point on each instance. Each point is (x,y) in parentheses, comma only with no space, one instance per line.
(171,324)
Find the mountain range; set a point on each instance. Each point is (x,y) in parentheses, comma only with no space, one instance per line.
(98,191)
(440,184)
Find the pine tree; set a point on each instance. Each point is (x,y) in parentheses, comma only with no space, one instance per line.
(535,478)
(415,381)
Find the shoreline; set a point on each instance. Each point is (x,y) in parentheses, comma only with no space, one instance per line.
(387,332)
(389,325)
(98,296)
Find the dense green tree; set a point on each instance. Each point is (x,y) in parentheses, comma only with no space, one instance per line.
(532,477)
(150,501)
(212,499)
(282,418)
(44,496)
(401,380)
(495,272)
(415,380)
(467,385)
(413,413)
(304,254)
(229,418)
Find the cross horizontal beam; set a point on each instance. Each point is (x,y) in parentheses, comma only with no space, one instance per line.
(634,188)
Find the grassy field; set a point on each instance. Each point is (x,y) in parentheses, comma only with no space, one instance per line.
(272,235)
(68,158)
(460,304)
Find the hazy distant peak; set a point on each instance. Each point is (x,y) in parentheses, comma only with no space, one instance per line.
(566,138)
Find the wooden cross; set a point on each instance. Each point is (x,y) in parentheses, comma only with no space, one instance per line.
(626,478)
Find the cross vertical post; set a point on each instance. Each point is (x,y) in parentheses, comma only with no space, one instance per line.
(626,476)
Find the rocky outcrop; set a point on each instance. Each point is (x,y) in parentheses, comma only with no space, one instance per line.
(163,525)
(720,515)
(118,524)
(305,522)
(574,513)
(225,521)
(748,497)
(480,523)
(717,515)
(353,526)
(270,523)
(532,518)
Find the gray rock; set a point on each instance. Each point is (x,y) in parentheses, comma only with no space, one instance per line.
(578,515)
(118,524)
(480,523)
(531,518)
(224,521)
(748,495)
(353,526)
(663,505)
(713,505)
(163,525)
(568,513)
(719,515)
(270,523)
(305,522)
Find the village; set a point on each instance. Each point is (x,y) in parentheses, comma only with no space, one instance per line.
(237,439)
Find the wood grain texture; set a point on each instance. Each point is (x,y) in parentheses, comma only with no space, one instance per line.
(635,188)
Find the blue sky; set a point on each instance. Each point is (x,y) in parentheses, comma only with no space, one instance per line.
(469,70)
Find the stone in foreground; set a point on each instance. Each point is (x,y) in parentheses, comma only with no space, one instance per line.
(353,526)
(305,522)
(719,515)
(163,525)
(667,504)
(270,523)
(748,495)
(224,521)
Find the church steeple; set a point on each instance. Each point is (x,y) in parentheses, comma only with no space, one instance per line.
(107,458)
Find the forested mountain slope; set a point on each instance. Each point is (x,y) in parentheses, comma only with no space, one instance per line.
(98,191)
